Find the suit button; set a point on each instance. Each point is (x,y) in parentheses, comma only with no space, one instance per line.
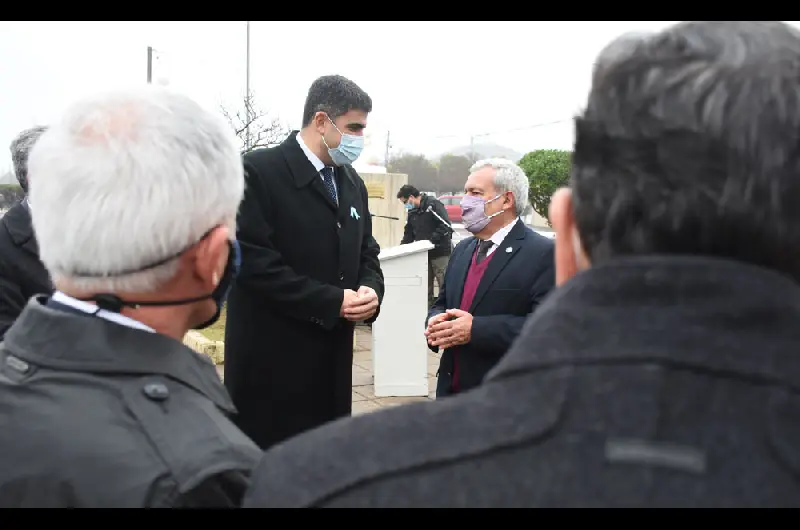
(341,276)
(156,391)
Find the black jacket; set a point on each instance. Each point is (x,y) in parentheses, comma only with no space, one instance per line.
(96,414)
(288,354)
(22,275)
(423,225)
(647,382)
(519,276)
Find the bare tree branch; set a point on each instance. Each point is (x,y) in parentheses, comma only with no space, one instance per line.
(264,131)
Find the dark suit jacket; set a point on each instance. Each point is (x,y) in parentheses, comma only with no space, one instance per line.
(288,354)
(514,284)
(647,382)
(22,275)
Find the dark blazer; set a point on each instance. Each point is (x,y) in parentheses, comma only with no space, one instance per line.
(22,275)
(288,354)
(514,284)
(648,382)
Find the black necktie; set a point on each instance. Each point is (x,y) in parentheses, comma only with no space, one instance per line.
(327,178)
(483,249)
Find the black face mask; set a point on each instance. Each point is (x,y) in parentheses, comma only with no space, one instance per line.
(220,293)
(113,303)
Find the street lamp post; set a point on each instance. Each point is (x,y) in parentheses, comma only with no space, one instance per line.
(149,64)
(247,102)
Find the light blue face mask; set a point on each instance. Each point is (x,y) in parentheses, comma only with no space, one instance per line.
(409,206)
(349,148)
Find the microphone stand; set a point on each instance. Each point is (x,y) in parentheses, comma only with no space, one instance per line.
(445,223)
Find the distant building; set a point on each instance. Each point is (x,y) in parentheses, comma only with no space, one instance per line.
(535,220)
(369,168)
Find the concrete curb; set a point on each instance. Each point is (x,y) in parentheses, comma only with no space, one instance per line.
(214,349)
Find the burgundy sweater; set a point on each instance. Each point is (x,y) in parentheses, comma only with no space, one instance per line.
(474,276)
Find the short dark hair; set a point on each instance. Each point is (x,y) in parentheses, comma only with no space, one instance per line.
(20,148)
(406,191)
(334,95)
(689,145)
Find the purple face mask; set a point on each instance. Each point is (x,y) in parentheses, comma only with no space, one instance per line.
(473,213)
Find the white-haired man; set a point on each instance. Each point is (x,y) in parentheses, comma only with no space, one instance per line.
(493,281)
(135,196)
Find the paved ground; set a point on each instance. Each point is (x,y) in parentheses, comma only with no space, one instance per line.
(364,399)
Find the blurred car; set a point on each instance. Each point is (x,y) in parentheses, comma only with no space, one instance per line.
(452,203)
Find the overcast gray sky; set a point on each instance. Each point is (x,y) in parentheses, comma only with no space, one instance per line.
(433,84)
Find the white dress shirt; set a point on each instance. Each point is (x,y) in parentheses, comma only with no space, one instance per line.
(314,159)
(498,237)
(91,309)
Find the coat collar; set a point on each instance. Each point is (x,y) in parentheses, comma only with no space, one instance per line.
(707,313)
(304,174)
(63,340)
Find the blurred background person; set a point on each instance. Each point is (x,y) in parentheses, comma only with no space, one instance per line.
(22,274)
(423,224)
(134,198)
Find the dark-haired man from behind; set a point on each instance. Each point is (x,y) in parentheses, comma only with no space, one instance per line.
(424,225)
(665,373)
(22,274)
(310,271)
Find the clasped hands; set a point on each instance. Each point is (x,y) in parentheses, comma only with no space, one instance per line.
(448,329)
(359,305)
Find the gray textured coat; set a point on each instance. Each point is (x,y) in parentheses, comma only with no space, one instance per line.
(647,382)
(99,415)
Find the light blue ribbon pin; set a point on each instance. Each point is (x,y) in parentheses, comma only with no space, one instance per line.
(354,213)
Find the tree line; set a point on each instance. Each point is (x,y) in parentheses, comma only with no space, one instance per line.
(547,170)
(10,194)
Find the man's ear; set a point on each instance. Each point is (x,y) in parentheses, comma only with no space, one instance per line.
(563,222)
(212,256)
(319,122)
(512,204)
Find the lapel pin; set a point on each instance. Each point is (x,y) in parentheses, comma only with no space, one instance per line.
(354,213)
(508,250)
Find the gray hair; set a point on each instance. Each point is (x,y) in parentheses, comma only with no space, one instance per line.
(688,146)
(20,149)
(127,179)
(507,177)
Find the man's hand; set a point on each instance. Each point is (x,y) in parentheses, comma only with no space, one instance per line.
(349,298)
(363,306)
(435,319)
(448,333)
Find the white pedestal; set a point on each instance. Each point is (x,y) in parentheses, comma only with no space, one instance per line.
(399,349)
